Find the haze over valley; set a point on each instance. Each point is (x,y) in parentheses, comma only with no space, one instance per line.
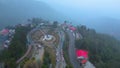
(104,19)
(59,34)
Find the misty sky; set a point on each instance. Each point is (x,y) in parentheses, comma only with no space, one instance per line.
(93,13)
(87,8)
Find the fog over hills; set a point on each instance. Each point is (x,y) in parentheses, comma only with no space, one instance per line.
(108,25)
(17,11)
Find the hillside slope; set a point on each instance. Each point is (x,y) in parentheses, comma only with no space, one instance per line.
(106,25)
(103,49)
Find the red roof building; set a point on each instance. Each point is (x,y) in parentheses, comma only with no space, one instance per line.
(4,31)
(72,28)
(82,53)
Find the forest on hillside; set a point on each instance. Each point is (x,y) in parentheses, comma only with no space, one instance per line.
(17,47)
(103,49)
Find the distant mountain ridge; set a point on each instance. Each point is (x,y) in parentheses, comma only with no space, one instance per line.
(17,11)
(107,25)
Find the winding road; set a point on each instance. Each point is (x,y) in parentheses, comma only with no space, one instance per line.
(71,50)
(72,54)
(60,63)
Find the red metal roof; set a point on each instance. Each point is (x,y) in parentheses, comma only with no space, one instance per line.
(5,31)
(82,53)
(72,28)
(83,61)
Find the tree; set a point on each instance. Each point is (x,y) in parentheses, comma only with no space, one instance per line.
(103,49)
(55,24)
(16,48)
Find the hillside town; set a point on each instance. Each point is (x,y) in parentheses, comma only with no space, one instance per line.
(50,44)
(45,43)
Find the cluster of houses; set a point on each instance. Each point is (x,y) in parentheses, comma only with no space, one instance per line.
(6,36)
(67,26)
(73,29)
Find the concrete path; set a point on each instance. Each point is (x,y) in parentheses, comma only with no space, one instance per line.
(89,65)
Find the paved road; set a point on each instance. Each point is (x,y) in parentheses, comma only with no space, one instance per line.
(72,54)
(71,50)
(25,55)
(30,43)
(60,63)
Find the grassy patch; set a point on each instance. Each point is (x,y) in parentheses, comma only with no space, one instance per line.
(49,57)
(51,51)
